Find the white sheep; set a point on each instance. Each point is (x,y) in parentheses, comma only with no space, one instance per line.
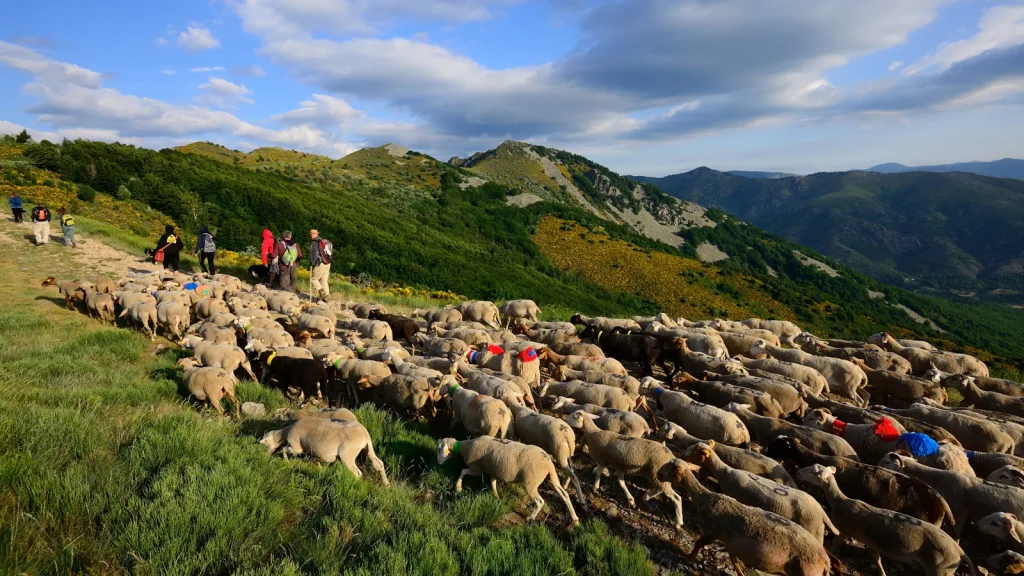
(209,384)
(844,377)
(506,461)
(480,311)
(786,331)
(206,307)
(622,422)
(143,314)
(551,434)
(327,440)
(225,356)
(520,309)
(173,316)
(702,420)
(317,324)
(478,413)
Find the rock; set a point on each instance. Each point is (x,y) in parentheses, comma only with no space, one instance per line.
(253,410)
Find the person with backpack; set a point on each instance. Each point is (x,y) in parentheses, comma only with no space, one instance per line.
(205,248)
(17,207)
(287,253)
(41,224)
(67,226)
(321,254)
(168,249)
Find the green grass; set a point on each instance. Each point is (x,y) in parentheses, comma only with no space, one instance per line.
(105,468)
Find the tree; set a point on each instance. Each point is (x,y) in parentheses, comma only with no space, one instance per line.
(45,155)
(22,138)
(123,193)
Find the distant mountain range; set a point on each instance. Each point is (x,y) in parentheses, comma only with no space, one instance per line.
(1005,168)
(951,232)
(756,174)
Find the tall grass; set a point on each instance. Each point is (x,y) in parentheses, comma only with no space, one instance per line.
(105,468)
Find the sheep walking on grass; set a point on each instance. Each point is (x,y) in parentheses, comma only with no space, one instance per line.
(327,440)
(507,461)
(208,384)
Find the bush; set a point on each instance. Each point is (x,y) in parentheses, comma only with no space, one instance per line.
(86,193)
(123,193)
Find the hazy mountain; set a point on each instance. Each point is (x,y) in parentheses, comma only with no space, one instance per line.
(1005,168)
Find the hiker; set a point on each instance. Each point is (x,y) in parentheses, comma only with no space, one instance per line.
(286,255)
(321,253)
(67,225)
(265,254)
(168,249)
(17,207)
(205,248)
(41,224)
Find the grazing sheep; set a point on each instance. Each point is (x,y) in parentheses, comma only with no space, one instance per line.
(698,363)
(363,309)
(506,461)
(703,340)
(326,414)
(984,463)
(443,365)
(551,434)
(1008,562)
(545,336)
(807,375)
(101,305)
(225,319)
(605,324)
(738,328)
(972,433)
(902,386)
(129,299)
(804,338)
(268,338)
(407,392)
(470,336)
(521,365)
(968,497)
(519,310)
(787,397)
(622,422)
(327,440)
(306,375)
(208,384)
(365,373)
(102,284)
(404,327)
(479,414)
(922,360)
(1008,387)
(321,348)
(755,463)
(644,349)
(448,347)
(628,383)
(876,486)
(442,315)
(764,430)
(885,533)
(225,356)
(1006,527)
(1009,475)
(207,307)
(786,331)
(753,490)
(704,421)
(626,456)
(609,365)
(143,314)
(993,401)
(71,290)
(480,311)
(752,537)
(740,344)
(504,390)
(597,394)
(863,437)
(584,349)
(843,377)
(175,318)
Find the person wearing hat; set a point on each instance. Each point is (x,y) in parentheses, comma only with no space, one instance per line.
(41,224)
(67,226)
(320,254)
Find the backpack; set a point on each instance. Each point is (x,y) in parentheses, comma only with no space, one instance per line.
(208,245)
(326,251)
(67,221)
(171,239)
(291,254)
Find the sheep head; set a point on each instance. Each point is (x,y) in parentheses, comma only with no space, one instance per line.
(648,384)
(817,475)
(674,471)
(1008,562)
(892,461)
(818,418)
(577,419)
(191,341)
(1002,525)
(758,348)
(1008,475)
(700,453)
(272,440)
(445,447)
(934,374)
(669,431)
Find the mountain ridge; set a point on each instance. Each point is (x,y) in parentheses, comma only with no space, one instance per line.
(1003,168)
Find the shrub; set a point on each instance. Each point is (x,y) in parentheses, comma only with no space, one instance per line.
(86,193)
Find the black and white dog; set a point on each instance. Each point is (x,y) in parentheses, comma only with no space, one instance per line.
(260,273)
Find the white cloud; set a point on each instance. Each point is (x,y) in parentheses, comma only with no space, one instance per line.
(999,27)
(254,71)
(168,72)
(74,103)
(161,41)
(896,65)
(220,92)
(197,38)
(207,69)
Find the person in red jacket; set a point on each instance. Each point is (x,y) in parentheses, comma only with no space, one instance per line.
(265,254)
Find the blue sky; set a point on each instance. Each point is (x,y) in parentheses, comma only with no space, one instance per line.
(644,86)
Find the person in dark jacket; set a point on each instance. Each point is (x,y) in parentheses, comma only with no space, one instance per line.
(172,245)
(17,207)
(41,224)
(205,248)
(287,253)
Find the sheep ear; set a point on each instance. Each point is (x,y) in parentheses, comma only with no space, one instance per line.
(831,469)
(711,445)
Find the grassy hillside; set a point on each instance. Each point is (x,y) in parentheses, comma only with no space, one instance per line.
(469,240)
(952,232)
(104,470)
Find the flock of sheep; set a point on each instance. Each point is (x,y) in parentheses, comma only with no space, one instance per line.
(775,436)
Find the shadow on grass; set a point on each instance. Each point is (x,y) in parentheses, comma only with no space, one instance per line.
(257,427)
(55,300)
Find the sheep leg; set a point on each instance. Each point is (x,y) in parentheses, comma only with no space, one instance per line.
(598,472)
(538,504)
(701,542)
(622,484)
(234,400)
(465,472)
(677,501)
(494,487)
(351,465)
(377,464)
(654,492)
(575,483)
(738,566)
(878,560)
(553,480)
(248,370)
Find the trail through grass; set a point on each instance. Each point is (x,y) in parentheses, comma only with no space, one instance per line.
(105,469)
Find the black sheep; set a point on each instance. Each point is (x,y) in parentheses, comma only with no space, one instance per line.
(644,349)
(876,486)
(401,327)
(304,374)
